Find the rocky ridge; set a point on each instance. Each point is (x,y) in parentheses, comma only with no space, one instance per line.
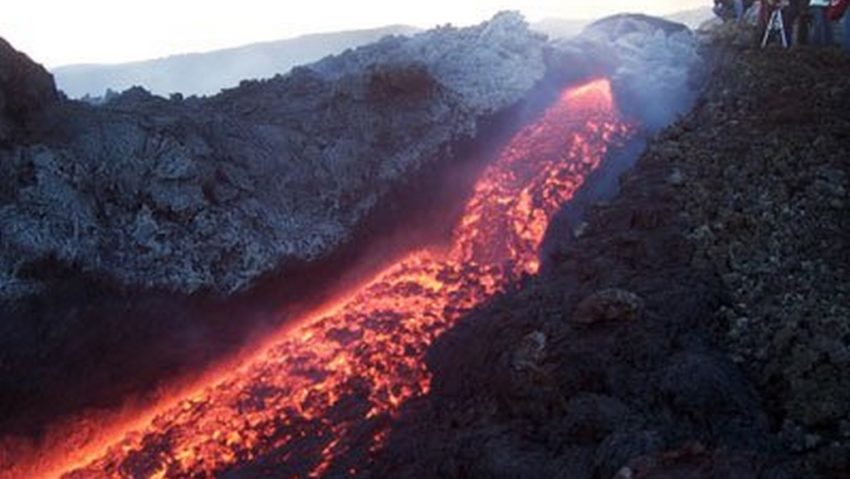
(210,194)
(25,89)
(194,195)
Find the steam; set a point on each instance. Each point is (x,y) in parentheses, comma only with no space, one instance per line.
(654,65)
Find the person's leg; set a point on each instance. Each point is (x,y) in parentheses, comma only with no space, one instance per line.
(803,27)
(789,18)
(828,38)
(845,24)
(818,25)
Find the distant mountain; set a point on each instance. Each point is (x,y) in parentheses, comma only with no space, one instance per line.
(207,73)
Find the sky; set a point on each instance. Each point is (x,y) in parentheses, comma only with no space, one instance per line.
(61,32)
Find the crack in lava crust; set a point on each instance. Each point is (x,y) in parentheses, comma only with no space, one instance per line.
(332,386)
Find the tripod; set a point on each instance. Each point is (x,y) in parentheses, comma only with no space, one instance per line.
(775,25)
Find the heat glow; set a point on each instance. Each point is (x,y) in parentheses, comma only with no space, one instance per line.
(331,387)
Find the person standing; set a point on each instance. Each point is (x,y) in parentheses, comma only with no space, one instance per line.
(822,33)
(839,11)
(803,22)
(739,9)
(790,14)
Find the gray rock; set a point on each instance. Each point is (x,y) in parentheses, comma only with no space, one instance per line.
(530,352)
(676,178)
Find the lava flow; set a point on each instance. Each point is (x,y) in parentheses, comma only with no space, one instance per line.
(330,388)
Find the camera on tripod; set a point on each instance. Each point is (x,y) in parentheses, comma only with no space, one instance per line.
(776,22)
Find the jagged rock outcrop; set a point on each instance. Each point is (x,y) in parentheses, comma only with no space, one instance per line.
(25,89)
(210,194)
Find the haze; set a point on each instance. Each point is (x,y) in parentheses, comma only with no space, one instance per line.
(58,32)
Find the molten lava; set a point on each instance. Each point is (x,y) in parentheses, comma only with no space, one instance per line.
(331,387)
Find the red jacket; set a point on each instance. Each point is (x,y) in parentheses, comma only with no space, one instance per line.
(836,9)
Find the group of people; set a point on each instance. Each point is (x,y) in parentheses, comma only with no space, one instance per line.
(812,20)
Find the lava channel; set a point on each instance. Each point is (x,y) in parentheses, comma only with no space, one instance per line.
(331,387)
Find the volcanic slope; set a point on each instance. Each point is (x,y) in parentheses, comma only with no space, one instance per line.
(695,326)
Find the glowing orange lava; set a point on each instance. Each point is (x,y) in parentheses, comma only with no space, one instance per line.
(331,387)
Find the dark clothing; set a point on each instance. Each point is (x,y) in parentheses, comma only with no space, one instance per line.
(822,33)
(789,17)
(803,22)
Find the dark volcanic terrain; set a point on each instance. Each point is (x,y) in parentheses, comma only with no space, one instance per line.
(695,326)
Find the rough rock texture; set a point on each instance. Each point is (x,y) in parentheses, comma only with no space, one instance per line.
(733,231)
(600,397)
(209,195)
(767,183)
(146,238)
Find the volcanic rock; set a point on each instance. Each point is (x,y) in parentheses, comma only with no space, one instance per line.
(763,174)
(530,352)
(737,365)
(208,195)
(608,305)
(591,417)
(26,88)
